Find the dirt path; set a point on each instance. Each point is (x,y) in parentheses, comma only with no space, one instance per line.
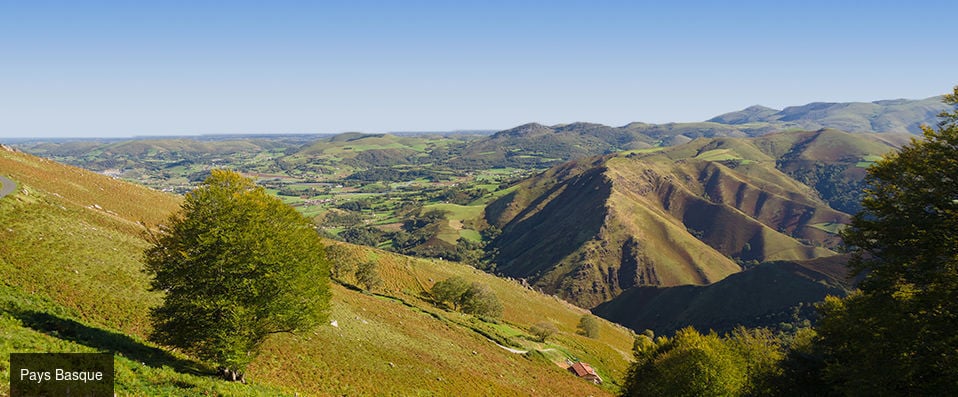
(511,350)
(7,186)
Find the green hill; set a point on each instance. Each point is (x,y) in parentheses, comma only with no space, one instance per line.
(690,214)
(70,265)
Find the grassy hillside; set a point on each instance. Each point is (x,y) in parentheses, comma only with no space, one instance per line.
(831,162)
(71,276)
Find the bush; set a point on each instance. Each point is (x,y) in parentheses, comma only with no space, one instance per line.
(542,330)
(480,300)
(367,275)
(589,326)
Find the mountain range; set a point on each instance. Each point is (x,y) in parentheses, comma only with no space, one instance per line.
(539,145)
(725,222)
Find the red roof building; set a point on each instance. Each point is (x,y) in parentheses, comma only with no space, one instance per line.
(584,370)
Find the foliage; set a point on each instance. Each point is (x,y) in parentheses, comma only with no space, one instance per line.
(481,300)
(898,334)
(237,265)
(367,275)
(450,291)
(475,298)
(801,367)
(542,330)
(339,263)
(588,326)
(469,252)
(692,364)
(363,235)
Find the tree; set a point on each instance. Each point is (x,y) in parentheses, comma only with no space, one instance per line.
(367,275)
(689,364)
(340,265)
(475,298)
(480,300)
(897,334)
(588,326)
(236,265)
(450,291)
(542,330)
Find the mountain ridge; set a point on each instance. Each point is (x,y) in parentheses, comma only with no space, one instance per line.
(688,214)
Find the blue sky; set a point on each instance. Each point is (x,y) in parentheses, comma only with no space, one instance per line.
(97,68)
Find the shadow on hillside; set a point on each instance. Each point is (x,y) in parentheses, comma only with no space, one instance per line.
(116,343)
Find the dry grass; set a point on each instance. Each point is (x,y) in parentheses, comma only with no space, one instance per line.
(77,267)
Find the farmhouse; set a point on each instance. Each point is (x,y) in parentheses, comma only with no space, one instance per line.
(584,370)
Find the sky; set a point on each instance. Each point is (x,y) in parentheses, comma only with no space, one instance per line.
(139,68)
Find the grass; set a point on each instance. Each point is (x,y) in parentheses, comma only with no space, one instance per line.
(831,227)
(722,155)
(456,216)
(72,281)
(867,161)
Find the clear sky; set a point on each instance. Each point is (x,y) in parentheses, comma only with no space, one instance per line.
(124,68)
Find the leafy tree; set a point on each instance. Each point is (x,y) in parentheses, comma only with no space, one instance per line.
(469,252)
(746,362)
(897,335)
(450,291)
(236,265)
(589,326)
(480,300)
(760,353)
(367,275)
(689,364)
(542,330)
(340,265)
(363,235)
(801,367)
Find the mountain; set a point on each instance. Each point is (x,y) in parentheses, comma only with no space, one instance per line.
(899,115)
(751,114)
(776,294)
(691,214)
(536,145)
(71,280)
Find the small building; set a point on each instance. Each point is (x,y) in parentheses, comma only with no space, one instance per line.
(584,370)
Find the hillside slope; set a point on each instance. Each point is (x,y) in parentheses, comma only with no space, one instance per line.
(774,294)
(70,265)
(690,214)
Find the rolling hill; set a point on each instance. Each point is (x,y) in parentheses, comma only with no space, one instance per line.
(691,214)
(897,115)
(71,281)
(536,145)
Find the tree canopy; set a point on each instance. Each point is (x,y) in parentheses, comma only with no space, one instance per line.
(897,335)
(588,326)
(236,265)
(475,298)
(693,364)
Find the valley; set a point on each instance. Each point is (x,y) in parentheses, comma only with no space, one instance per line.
(654,228)
(71,256)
